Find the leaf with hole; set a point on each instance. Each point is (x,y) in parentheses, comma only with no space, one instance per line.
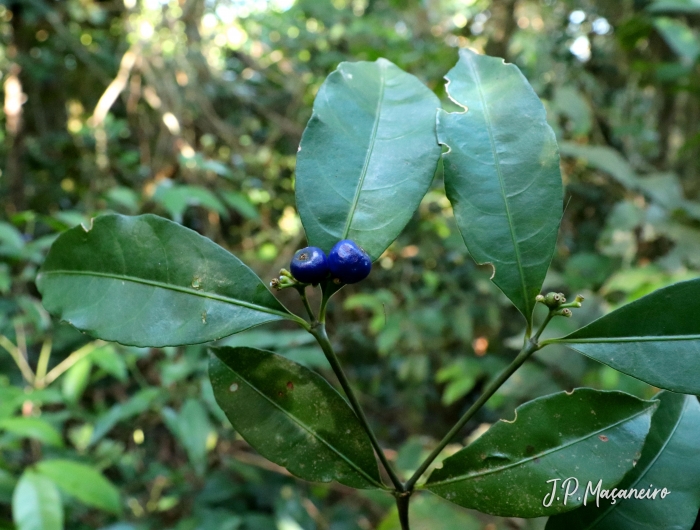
(146,281)
(292,417)
(367,156)
(502,173)
(669,460)
(587,434)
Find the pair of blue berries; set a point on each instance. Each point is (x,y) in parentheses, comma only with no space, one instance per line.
(346,261)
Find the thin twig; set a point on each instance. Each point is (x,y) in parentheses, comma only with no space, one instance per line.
(43,363)
(115,88)
(490,390)
(307,306)
(530,346)
(69,361)
(319,332)
(19,359)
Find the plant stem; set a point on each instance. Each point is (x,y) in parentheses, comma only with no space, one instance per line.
(318,330)
(19,359)
(402,500)
(549,317)
(307,306)
(527,350)
(43,363)
(70,361)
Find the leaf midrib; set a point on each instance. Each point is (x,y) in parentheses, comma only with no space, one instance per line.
(370,151)
(646,338)
(497,160)
(305,427)
(611,507)
(171,287)
(540,455)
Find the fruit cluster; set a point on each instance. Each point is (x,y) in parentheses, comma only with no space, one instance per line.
(346,262)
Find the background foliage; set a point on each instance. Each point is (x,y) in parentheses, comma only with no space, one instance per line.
(193,110)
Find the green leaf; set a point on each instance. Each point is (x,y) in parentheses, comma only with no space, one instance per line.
(241,204)
(139,403)
(191,427)
(35,428)
(605,159)
(107,357)
(11,241)
(76,379)
(7,486)
(460,376)
(82,482)
(177,198)
(586,434)
(664,189)
(146,281)
(5,278)
(502,174)
(655,339)
(680,38)
(367,156)
(675,6)
(292,417)
(36,503)
(572,104)
(669,459)
(11,399)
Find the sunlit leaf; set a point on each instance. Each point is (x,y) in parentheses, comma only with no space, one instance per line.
(146,281)
(508,471)
(367,156)
(502,173)
(36,503)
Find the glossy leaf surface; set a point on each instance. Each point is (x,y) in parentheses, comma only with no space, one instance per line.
(147,281)
(292,417)
(36,503)
(588,434)
(655,339)
(82,482)
(367,156)
(669,459)
(502,173)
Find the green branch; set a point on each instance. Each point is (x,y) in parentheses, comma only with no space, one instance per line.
(318,330)
(530,346)
(19,359)
(489,391)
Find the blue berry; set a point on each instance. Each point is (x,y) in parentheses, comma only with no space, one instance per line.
(348,262)
(309,265)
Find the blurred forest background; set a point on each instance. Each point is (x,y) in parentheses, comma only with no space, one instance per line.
(193,110)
